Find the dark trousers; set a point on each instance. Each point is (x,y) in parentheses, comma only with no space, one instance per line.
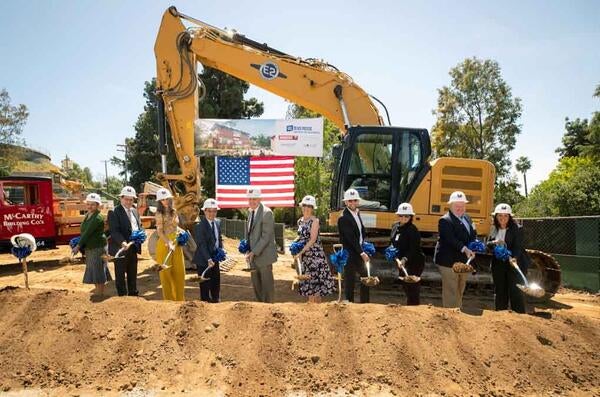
(127,265)
(210,289)
(350,272)
(412,291)
(505,287)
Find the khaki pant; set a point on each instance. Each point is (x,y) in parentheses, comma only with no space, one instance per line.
(453,287)
(263,283)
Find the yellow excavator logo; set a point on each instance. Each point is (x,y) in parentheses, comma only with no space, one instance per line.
(269,70)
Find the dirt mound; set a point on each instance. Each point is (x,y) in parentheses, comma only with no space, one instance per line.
(62,343)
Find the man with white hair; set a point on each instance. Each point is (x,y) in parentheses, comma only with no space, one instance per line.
(122,221)
(456,231)
(352,236)
(263,250)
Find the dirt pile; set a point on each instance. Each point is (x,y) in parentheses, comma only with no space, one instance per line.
(62,343)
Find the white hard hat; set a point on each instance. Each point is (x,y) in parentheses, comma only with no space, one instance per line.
(162,194)
(502,208)
(458,197)
(351,194)
(128,191)
(24,240)
(309,200)
(405,209)
(94,198)
(210,204)
(253,192)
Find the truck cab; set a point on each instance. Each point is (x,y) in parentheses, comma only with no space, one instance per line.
(26,206)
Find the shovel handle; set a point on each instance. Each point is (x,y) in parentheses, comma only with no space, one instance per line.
(400,263)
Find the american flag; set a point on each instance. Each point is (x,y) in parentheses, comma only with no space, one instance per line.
(273,175)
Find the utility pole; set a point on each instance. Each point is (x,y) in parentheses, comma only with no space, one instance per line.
(106,171)
(124,150)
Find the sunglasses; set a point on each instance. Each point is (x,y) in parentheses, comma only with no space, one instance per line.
(404,216)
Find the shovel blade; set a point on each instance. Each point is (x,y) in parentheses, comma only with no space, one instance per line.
(532,290)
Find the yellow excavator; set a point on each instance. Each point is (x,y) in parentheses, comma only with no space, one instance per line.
(387,165)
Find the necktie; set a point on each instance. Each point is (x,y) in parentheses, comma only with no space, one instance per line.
(251,219)
(212,226)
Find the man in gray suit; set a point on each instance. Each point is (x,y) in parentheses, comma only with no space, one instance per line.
(263,251)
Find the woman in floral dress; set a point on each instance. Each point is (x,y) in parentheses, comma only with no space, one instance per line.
(314,262)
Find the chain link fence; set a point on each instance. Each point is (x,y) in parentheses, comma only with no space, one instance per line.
(574,242)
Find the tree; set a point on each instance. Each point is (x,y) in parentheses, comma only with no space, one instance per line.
(12,121)
(314,174)
(224,98)
(114,185)
(575,138)
(523,165)
(507,191)
(592,148)
(76,173)
(582,138)
(477,116)
(572,189)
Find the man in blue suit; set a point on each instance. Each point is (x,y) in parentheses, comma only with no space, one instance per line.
(208,238)
(456,231)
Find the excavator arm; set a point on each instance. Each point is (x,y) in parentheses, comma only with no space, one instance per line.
(311,83)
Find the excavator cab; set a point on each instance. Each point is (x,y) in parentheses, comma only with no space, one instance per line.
(384,164)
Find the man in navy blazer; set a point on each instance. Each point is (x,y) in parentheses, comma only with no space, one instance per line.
(456,231)
(207,234)
(352,236)
(122,221)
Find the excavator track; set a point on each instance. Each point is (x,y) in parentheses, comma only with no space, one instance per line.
(544,270)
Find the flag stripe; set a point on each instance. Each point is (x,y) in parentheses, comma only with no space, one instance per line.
(270,164)
(242,195)
(270,175)
(273,175)
(268,170)
(228,189)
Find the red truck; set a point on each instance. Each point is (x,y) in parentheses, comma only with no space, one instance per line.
(26,206)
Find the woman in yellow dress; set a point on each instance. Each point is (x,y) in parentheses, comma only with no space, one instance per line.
(172,279)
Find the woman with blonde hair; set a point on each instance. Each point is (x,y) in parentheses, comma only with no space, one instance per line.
(172,277)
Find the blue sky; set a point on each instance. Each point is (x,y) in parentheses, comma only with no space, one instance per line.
(80,66)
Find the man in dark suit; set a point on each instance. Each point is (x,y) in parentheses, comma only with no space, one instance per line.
(122,221)
(456,231)
(207,234)
(352,235)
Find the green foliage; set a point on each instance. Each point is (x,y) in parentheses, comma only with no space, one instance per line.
(143,160)
(575,138)
(572,189)
(582,138)
(224,98)
(262,141)
(477,116)
(313,175)
(76,173)
(12,121)
(522,165)
(507,191)
(115,185)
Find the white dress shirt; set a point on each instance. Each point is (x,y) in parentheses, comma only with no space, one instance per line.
(216,232)
(132,219)
(358,223)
